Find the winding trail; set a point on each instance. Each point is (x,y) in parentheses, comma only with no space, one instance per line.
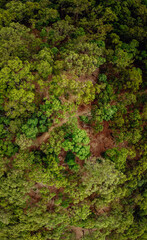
(39,140)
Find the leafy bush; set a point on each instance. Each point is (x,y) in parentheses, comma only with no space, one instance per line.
(85,119)
(7,148)
(69,156)
(77,141)
(30,129)
(118,157)
(108,112)
(103,78)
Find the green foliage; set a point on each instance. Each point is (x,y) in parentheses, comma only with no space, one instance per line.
(108,112)
(82,92)
(106,95)
(103,78)
(128,99)
(105,112)
(122,59)
(36,124)
(84,58)
(80,212)
(50,106)
(135,79)
(30,129)
(45,62)
(84,119)
(118,157)
(77,141)
(17,87)
(66,68)
(71,139)
(54,142)
(26,12)
(7,148)
(16,41)
(46,16)
(101,171)
(4,123)
(101,178)
(23,142)
(35,237)
(60,31)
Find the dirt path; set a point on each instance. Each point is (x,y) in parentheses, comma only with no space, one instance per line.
(141,93)
(39,140)
(101,141)
(98,142)
(81,232)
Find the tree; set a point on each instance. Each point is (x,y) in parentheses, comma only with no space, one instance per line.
(61,61)
(16,86)
(60,31)
(23,46)
(23,142)
(100,178)
(84,58)
(77,141)
(135,79)
(7,148)
(80,92)
(17,9)
(37,236)
(122,59)
(75,7)
(71,139)
(44,62)
(119,157)
(30,129)
(46,16)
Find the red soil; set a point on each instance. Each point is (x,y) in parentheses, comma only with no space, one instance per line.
(101,141)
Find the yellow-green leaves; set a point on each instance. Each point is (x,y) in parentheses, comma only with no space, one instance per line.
(135,79)
(17,88)
(84,58)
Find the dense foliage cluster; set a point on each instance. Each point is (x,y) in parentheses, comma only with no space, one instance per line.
(73,120)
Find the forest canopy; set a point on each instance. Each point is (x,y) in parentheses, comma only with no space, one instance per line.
(73,117)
